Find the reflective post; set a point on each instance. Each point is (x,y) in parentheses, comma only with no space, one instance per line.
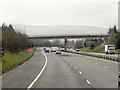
(30,51)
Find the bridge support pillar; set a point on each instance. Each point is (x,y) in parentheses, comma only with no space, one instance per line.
(65,44)
(106,41)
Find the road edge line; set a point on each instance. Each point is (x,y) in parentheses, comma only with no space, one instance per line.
(88,81)
(40,73)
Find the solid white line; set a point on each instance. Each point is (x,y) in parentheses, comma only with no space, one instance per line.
(40,73)
(80,72)
(88,82)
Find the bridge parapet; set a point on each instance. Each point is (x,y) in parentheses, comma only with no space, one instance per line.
(69,36)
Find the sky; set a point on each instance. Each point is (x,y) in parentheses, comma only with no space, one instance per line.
(101,13)
(119,15)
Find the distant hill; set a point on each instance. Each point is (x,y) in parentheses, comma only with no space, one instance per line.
(63,29)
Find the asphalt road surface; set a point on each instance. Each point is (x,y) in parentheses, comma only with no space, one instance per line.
(23,75)
(64,71)
(101,73)
(59,74)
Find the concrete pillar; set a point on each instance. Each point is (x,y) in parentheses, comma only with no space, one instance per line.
(106,41)
(65,44)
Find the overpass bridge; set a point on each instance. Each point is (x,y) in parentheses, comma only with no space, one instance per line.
(69,36)
(105,37)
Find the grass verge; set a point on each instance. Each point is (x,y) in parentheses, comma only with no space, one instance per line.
(12,60)
(99,49)
(117,51)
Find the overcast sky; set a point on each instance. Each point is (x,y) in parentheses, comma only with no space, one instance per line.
(101,13)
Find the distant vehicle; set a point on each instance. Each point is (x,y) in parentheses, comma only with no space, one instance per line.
(54,49)
(44,48)
(47,51)
(71,49)
(77,50)
(58,52)
(110,49)
(62,49)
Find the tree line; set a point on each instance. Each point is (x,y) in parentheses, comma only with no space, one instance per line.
(14,41)
(114,37)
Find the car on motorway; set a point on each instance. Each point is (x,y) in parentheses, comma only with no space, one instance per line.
(77,50)
(44,48)
(47,51)
(58,52)
(71,49)
(54,49)
(62,49)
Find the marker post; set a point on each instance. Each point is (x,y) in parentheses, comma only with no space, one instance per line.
(30,51)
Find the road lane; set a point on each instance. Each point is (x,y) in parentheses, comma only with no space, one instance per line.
(101,73)
(64,71)
(23,75)
(59,74)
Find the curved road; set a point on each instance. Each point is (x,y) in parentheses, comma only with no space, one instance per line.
(59,74)
(64,71)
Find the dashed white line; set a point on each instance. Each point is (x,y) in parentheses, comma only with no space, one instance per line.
(80,72)
(96,63)
(88,81)
(71,64)
(40,73)
(75,67)
(105,67)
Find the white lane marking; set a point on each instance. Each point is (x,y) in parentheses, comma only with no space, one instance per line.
(88,81)
(75,67)
(105,67)
(68,61)
(71,63)
(40,73)
(80,72)
(96,63)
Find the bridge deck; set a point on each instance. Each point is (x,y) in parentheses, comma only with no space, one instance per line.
(69,36)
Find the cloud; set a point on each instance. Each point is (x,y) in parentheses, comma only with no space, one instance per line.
(59,12)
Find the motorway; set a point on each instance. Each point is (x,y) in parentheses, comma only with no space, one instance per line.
(63,71)
(102,54)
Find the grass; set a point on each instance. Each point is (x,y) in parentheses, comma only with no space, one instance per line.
(11,60)
(99,47)
(87,49)
(117,51)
